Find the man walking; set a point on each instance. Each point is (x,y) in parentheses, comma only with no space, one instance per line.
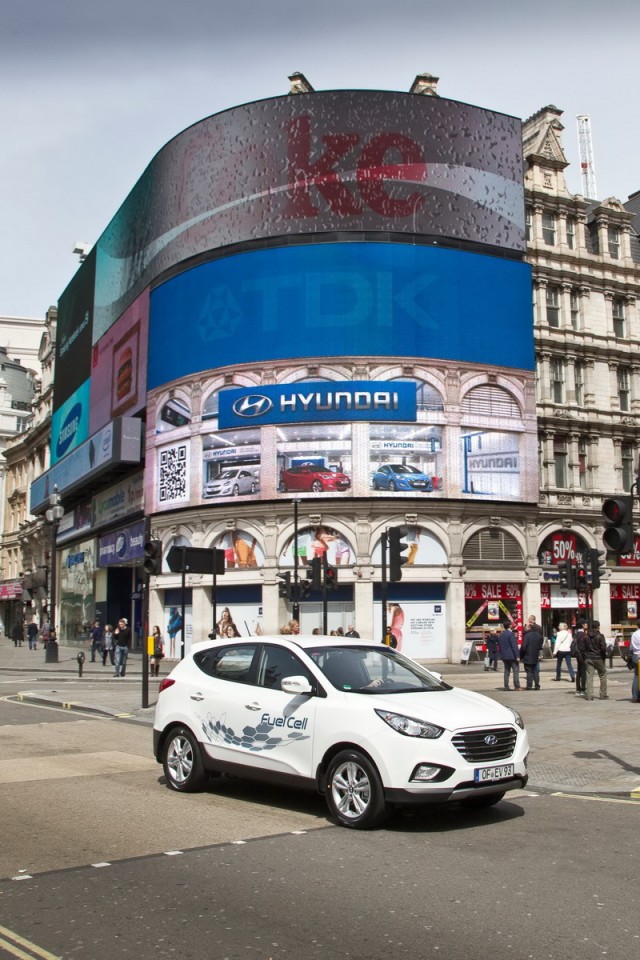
(581,663)
(96,640)
(32,635)
(509,655)
(593,649)
(530,655)
(123,642)
(352,632)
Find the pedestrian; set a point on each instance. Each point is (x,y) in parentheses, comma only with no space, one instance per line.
(530,651)
(158,652)
(45,632)
(581,666)
(17,634)
(562,652)
(611,645)
(32,635)
(294,627)
(634,654)
(108,643)
(352,632)
(122,635)
(509,654)
(96,640)
(492,649)
(593,647)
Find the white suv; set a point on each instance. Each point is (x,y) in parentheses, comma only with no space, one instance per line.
(360,722)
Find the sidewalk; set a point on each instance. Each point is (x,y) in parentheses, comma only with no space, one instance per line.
(577,746)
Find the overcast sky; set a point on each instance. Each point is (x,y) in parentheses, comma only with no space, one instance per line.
(90,91)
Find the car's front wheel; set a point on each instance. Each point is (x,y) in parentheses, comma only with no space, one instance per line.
(182,762)
(316,486)
(483,800)
(354,792)
(392,485)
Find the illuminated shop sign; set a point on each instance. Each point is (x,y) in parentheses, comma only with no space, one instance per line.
(342,300)
(122,546)
(70,423)
(318,402)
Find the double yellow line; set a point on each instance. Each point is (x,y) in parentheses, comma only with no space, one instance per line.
(17,946)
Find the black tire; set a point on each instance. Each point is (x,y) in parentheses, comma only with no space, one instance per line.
(236,490)
(392,486)
(354,793)
(254,487)
(483,800)
(182,762)
(316,486)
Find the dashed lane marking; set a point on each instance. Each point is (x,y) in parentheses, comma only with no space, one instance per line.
(578,796)
(13,942)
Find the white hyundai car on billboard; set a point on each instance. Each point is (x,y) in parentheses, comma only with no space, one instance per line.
(364,725)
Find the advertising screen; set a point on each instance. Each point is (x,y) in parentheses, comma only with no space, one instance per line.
(342,299)
(330,161)
(73,333)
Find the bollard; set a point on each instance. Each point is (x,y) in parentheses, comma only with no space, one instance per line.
(80,658)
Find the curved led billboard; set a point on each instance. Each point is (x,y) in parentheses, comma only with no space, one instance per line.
(342,299)
(338,160)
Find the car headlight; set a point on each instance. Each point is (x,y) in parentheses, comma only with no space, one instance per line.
(518,719)
(409,726)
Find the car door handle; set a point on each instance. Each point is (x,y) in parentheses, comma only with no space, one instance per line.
(197,696)
(253,706)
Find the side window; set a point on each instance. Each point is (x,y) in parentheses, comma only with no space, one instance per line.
(227,663)
(276,664)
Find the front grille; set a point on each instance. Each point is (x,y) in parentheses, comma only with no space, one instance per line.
(474,748)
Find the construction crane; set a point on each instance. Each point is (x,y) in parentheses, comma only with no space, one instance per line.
(587,166)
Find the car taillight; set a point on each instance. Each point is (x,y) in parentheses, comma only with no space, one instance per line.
(165,684)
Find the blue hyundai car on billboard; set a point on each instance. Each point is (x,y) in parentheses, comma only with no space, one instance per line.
(400,476)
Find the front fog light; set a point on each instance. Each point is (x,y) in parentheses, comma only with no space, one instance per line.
(425,772)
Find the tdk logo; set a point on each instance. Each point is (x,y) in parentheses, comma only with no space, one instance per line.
(255,405)
(68,430)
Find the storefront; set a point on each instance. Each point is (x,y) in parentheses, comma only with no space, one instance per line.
(489,605)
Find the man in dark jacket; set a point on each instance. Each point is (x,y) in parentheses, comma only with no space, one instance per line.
(593,648)
(530,655)
(509,654)
(123,642)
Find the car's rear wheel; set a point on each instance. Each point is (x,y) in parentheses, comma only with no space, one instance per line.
(316,486)
(182,761)
(354,792)
(483,800)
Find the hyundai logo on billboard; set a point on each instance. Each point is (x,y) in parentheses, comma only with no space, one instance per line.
(318,402)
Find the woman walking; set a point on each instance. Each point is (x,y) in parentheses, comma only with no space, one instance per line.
(158,652)
(562,652)
(108,646)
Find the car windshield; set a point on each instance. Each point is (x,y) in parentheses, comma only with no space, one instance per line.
(228,475)
(371,670)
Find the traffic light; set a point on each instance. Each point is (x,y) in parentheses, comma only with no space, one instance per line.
(314,573)
(152,563)
(304,589)
(284,588)
(567,574)
(597,565)
(617,513)
(397,551)
(582,582)
(563,572)
(330,577)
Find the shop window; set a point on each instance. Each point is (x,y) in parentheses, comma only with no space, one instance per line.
(492,545)
(489,401)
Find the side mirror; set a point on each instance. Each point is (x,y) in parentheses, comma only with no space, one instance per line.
(296,686)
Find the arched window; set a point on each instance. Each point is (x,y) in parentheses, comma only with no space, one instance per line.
(492,545)
(490,401)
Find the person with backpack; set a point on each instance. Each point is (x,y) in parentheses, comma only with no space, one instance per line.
(581,665)
(158,652)
(593,648)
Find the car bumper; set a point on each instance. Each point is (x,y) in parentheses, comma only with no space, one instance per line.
(427,793)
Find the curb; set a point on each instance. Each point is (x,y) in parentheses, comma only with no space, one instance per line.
(86,708)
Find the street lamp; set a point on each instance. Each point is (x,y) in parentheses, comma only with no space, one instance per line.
(54,515)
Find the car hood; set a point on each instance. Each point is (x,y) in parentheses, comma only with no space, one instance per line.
(452,709)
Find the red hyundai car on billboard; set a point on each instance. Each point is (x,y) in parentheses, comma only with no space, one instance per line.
(314,478)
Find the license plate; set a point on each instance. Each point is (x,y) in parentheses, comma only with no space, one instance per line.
(487,774)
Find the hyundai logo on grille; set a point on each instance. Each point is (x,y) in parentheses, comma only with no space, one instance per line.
(491,740)
(255,405)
